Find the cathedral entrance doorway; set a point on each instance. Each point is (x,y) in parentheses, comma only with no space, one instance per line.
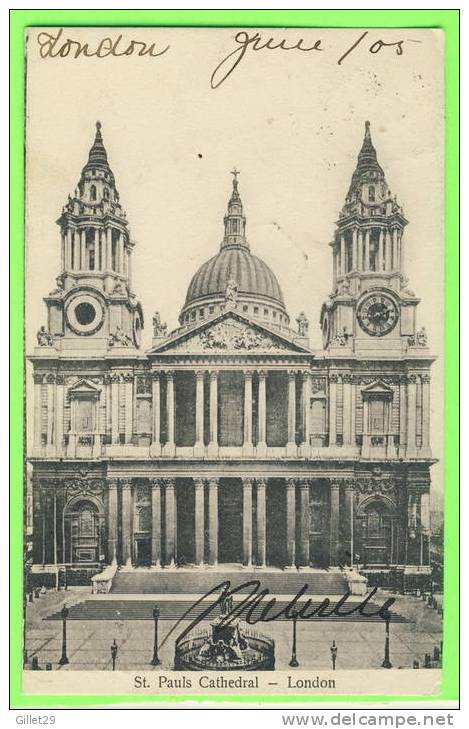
(143,552)
(84,536)
(376,531)
(276,521)
(185,529)
(230,520)
(319,506)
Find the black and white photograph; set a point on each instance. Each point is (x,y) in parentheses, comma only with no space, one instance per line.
(234,382)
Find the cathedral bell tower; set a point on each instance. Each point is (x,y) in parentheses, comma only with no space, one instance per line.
(371,306)
(93,306)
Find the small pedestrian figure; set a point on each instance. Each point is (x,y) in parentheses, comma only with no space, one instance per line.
(114,654)
(333,654)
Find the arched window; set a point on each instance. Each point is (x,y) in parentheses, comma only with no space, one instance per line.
(93,192)
(106,193)
(371,193)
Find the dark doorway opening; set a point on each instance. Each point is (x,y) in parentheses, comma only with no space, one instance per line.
(230,520)
(143,552)
(276,517)
(185,532)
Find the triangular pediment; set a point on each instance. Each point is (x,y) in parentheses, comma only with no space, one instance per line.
(229,332)
(83,387)
(377,388)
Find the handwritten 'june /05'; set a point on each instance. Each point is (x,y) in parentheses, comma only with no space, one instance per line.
(56,46)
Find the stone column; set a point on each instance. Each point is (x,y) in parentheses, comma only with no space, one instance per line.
(343,260)
(261,522)
(348,545)
(354,249)
(213,521)
(156,522)
(381,250)
(126,486)
(199,413)
(247,522)
(347,408)
(333,379)
(213,445)
(68,249)
(169,448)
(334,265)
(37,412)
(108,265)
(59,415)
(261,441)
(170,522)
(388,258)
(411,415)
(334,524)
(426,411)
(115,408)
(112,522)
(155,448)
(395,257)
(199,520)
(303,556)
(353,412)
(291,445)
(366,263)
(360,251)
(129,406)
(291,522)
(306,398)
(97,246)
(365,435)
(50,448)
(119,253)
(402,414)
(247,440)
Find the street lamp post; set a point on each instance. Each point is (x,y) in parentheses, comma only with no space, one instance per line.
(333,654)
(114,654)
(155,661)
(63,659)
(387,663)
(293,661)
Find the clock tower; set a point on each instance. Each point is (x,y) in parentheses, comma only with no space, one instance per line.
(371,306)
(93,306)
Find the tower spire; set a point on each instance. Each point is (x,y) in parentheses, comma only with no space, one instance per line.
(97,156)
(234,220)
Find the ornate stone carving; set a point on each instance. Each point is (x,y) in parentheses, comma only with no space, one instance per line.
(127,377)
(224,336)
(160,329)
(38,378)
(379,486)
(333,378)
(419,339)
(50,379)
(44,338)
(303,324)
(231,292)
(341,338)
(318,384)
(119,337)
(347,379)
(82,484)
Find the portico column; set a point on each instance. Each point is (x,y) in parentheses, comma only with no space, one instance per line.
(411,415)
(112,522)
(291,522)
(260,493)
(156,522)
(155,448)
(347,407)
(261,441)
(169,447)
(126,486)
(291,445)
(343,264)
(334,524)
(115,408)
(402,414)
(199,413)
(213,445)
(247,521)
(59,415)
(306,398)
(170,522)
(303,557)
(333,379)
(213,521)
(247,441)
(50,379)
(388,257)
(129,406)
(199,521)
(348,545)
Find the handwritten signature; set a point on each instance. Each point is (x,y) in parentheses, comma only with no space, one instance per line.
(55,45)
(265,613)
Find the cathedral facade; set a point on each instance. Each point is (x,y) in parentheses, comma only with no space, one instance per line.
(231,441)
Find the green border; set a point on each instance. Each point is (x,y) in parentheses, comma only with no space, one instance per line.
(448,20)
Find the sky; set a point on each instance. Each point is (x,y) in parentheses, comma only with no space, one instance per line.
(291,121)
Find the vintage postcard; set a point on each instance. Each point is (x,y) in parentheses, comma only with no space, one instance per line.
(234,315)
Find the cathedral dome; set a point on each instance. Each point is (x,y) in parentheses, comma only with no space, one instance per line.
(257,289)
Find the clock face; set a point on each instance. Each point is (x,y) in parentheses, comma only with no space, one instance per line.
(377,314)
(84,314)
